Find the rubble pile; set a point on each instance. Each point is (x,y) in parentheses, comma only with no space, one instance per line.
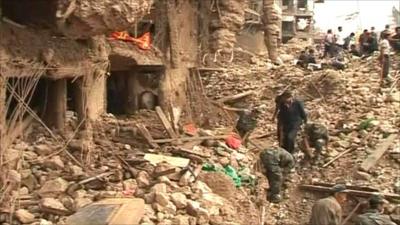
(198,178)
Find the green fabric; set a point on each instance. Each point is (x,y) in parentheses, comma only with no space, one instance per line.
(365,124)
(228,170)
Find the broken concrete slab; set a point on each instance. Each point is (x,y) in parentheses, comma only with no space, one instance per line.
(113,211)
(24,216)
(53,206)
(173,161)
(53,188)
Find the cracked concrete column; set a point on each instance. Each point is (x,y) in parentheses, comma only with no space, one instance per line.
(272,20)
(57,104)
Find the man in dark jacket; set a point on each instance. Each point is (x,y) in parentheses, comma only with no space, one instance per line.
(374,215)
(291,115)
(275,160)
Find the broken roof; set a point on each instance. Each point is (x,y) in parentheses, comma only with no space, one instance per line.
(138,57)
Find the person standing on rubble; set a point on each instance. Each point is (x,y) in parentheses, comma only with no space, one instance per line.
(384,58)
(329,44)
(276,161)
(328,211)
(291,115)
(363,41)
(339,38)
(374,215)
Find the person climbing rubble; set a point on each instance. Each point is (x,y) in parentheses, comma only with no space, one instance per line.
(276,162)
(328,211)
(315,136)
(247,123)
(374,215)
(291,115)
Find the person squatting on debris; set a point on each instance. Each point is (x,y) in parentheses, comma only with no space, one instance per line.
(328,211)
(315,136)
(384,58)
(374,215)
(291,115)
(276,162)
(246,124)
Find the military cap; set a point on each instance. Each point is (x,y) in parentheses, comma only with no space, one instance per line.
(377,199)
(339,188)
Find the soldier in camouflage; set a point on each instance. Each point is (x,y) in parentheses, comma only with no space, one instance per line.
(374,215)
(315,136)
(246,124)
(275,160)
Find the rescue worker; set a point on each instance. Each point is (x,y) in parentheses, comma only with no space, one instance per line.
(247,123)
(328,44)
(276,161)
(374,215)
(315,136)
(395,40)
(302,60)
(328,211)
(384,58)
(291,115)
(363,41)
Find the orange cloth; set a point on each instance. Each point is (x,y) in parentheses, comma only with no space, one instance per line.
(143,42)
(233,141)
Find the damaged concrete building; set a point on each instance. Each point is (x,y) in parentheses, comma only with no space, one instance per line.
(297,19)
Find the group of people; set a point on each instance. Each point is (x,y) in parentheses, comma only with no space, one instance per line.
(278,161)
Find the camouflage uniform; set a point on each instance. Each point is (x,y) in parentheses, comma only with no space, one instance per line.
(373,217)
(246,123)
(274,161)
(317,137)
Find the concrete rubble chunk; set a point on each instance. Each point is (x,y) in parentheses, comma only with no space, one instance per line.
(82,202)
(201,186)
(159,188)
(143,179)
(53,206)
(193,208)
(116,211)
(53,188)
(179,200)
(76,171)
(54,163)
(43,149)
(161,198)
(13,176)
(181,220)
(359,175)
(24,216)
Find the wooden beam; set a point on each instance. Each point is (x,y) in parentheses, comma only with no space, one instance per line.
(235,97)
(365,139)
(165,122)
(154,159)
(373,159)
(190,138)
(146,134)
(365,194)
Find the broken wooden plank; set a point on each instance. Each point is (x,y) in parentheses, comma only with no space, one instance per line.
(373,159)
(351,214)
(352,187)
(217,69)
(235,97)
(165,122)
(146,134)
(365,194)
(189,151)
(365,139)
(190,138)
(154,159)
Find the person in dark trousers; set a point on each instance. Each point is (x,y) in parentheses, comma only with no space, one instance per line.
(374,215)
(354,51)
(291,115)
(384,58)
(246,124)
(348,40)
(364,44)
(395,40)
(329,44)
(386,30)
(275,161)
